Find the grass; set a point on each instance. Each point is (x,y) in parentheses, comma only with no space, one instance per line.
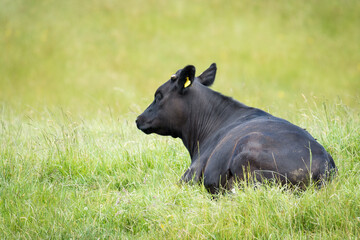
(62,178)
(74,75)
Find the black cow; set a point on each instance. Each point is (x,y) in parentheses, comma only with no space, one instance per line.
(228,140)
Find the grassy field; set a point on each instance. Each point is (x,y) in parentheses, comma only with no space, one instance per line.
(75,74)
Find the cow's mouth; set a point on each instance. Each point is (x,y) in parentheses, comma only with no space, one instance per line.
(144,126)
(146,130)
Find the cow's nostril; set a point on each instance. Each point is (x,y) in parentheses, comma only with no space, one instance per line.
(139,121)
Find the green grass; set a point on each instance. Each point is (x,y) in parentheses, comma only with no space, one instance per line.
(75,74)
(66,178)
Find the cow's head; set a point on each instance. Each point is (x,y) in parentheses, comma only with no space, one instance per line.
(169,111)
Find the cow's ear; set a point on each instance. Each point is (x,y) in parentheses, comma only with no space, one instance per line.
(208,76)
(186,78)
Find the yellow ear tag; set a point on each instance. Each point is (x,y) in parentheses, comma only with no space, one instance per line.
(187,83)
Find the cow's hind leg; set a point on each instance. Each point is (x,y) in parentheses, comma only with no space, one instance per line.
(246,167)
(242,167)
(217,178)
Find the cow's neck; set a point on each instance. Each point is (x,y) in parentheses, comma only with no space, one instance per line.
(206,117)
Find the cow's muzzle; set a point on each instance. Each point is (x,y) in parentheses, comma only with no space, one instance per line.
(143,125)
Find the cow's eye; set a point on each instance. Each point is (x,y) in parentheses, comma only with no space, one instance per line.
(158,97)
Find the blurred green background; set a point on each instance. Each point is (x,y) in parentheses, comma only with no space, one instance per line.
(109,55)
